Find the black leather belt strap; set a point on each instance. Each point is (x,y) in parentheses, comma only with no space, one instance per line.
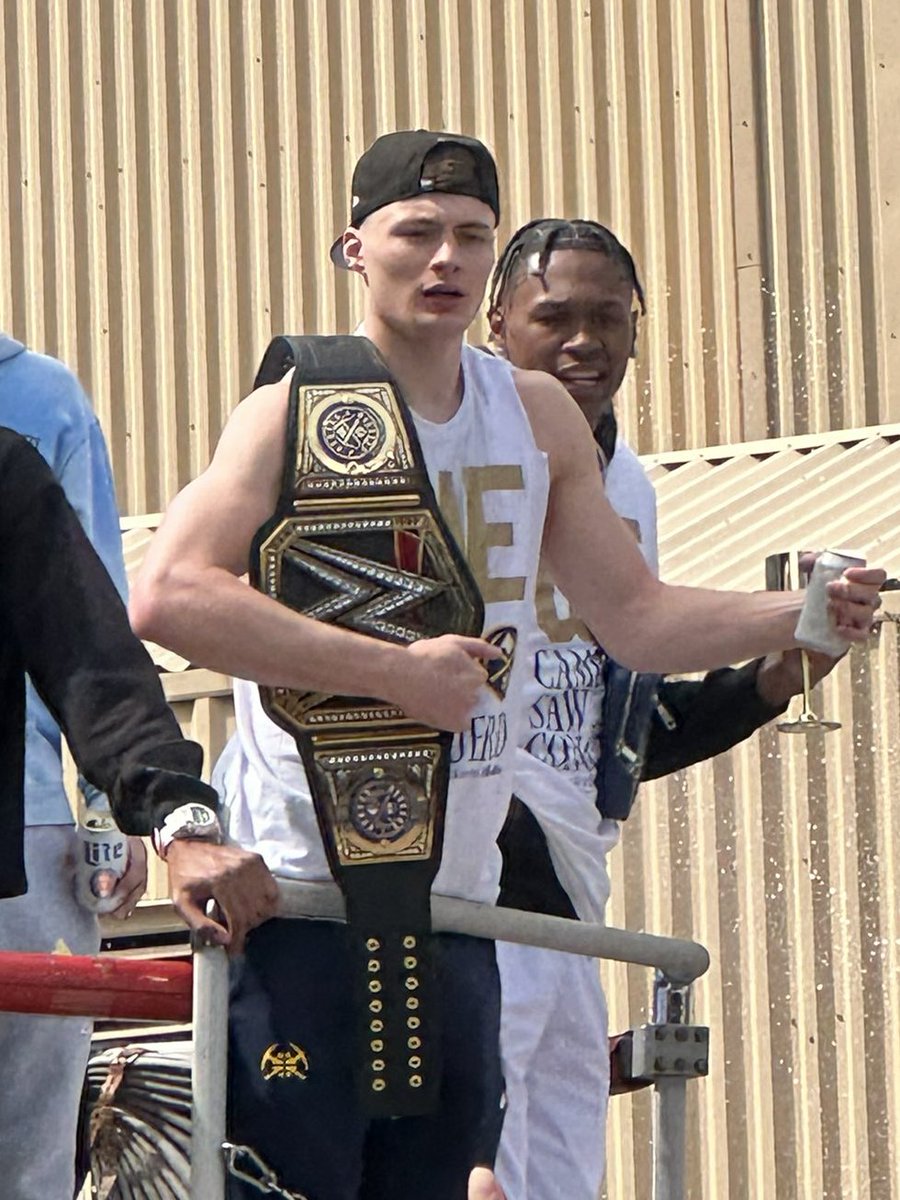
(358,540)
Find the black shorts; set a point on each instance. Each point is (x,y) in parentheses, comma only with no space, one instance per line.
(292,992)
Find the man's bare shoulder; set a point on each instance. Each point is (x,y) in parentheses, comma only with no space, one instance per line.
(255,431)
(556,420)
(212,521)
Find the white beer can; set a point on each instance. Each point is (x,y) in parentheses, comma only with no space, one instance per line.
(102,860)
(816,629)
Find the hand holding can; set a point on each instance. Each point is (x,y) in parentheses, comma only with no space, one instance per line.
(816,627)
(102,860)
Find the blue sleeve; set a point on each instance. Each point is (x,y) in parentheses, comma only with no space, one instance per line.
(86,477)
(63,425)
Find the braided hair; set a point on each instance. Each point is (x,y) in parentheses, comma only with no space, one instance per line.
(542,237)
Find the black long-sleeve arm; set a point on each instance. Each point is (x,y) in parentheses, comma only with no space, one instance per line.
(64,621)
(703,718)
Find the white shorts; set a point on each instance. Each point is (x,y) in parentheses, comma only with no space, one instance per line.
(554,1044)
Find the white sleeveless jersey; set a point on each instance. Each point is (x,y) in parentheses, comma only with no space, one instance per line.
(631,494)
(491,481)
(564,700)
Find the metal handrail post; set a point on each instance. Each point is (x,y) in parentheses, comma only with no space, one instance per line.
(209,1071)
(672,1014)
(669,1135)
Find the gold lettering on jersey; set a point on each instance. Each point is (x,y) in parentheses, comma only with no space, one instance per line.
(557,628)
(446,498)
(480,534)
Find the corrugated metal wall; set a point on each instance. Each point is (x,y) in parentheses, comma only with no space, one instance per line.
(781,857)
(173,171)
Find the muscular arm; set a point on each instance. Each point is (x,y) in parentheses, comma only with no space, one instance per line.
(645,624)
(190,598)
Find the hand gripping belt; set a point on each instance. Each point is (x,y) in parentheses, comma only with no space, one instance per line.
(358,540)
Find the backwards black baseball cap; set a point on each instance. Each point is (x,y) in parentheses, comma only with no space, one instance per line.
(416,162)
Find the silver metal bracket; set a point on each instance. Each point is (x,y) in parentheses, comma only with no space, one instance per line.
(668,1051)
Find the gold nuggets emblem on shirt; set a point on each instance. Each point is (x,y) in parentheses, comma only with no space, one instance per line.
(498,669)
(284,1060)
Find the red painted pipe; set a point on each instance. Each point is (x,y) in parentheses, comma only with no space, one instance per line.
(69,985)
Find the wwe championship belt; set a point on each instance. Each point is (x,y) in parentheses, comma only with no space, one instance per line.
(358,540)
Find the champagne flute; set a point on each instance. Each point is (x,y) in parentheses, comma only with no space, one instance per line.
(783,573)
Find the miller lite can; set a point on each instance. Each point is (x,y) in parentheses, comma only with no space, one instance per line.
(816,628)
(102,859)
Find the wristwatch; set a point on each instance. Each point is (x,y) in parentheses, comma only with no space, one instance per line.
(189,821)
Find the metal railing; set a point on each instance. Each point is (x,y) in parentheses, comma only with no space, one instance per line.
(668,1051)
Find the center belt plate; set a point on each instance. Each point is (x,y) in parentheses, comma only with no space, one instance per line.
(358,541)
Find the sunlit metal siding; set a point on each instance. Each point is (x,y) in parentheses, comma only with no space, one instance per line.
(720,514)
(781,857)
(172,173)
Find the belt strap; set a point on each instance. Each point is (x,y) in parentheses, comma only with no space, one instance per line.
(358,540)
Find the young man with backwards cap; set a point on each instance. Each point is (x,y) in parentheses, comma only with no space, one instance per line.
(497,442)
(565,299)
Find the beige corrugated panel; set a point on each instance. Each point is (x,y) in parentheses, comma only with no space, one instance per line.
(173,171)
(781,857)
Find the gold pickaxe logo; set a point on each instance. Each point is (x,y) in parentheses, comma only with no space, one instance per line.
(284,1060)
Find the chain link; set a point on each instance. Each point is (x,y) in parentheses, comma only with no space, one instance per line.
(244,1163)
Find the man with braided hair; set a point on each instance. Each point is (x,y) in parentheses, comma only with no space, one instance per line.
(566,299)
